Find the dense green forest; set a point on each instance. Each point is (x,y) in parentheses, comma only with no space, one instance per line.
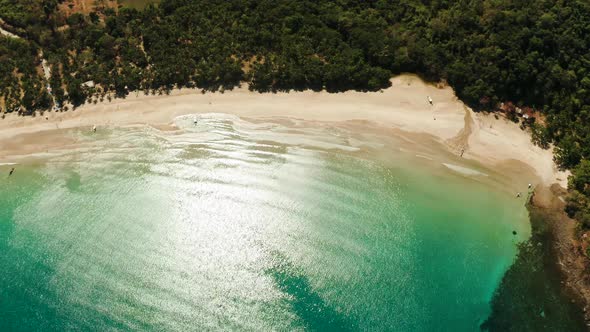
(532,53)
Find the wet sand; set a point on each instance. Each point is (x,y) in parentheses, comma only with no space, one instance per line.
(402,110)
(496,143)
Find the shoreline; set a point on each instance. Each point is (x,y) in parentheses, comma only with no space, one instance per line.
(568,259)
(498,144)
(554,302)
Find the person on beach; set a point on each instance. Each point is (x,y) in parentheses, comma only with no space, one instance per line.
(94,128)
(11,171)
(430,100)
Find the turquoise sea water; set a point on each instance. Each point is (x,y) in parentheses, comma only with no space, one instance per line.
(232,225)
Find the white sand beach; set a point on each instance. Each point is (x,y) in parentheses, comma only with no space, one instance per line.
(496,143)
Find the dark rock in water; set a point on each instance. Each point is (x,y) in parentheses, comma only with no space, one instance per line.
(531,295)
(513,232)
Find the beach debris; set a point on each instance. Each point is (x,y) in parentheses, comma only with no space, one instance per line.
(429,100)
(11,171)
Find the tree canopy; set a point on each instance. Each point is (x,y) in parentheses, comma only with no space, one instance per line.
(530,53)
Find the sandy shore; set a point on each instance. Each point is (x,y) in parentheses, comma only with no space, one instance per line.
(496,143)
(404,108)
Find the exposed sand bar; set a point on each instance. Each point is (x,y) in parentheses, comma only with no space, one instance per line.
(495,143)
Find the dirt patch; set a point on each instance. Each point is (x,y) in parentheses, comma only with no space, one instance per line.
(85,7)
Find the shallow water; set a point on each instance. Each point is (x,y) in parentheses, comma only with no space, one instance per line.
(235,225)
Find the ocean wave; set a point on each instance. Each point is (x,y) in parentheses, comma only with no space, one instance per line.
(424,157)
(464,170)
(226,125)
